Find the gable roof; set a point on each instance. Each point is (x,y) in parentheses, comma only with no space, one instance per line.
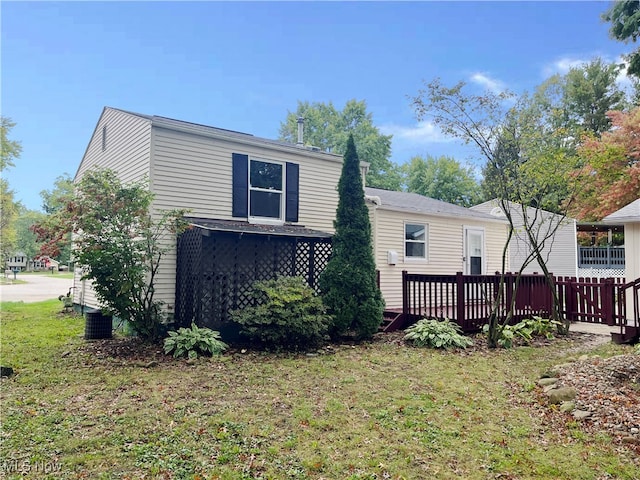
(415,203)
(494,207)
(206,130)
(628,213)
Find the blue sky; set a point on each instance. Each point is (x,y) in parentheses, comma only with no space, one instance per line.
(243,66)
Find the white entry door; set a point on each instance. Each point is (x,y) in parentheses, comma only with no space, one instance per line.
(474,261)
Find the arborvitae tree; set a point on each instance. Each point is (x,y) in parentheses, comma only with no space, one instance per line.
(348,284)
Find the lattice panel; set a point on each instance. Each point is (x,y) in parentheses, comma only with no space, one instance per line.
(188,277)
(217,269)
(601,272)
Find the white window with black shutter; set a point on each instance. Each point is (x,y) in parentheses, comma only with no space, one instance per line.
(265,191)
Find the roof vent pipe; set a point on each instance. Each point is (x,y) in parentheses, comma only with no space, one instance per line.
(300,131)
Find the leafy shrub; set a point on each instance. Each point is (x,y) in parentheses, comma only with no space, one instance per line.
(193,341)
(287,314)
(437,334)
(540,327)
(524,331)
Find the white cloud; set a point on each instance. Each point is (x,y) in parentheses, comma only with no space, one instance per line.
(491,84)
(563,65)
(422,133)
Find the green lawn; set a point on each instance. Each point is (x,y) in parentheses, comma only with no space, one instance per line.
(370,411)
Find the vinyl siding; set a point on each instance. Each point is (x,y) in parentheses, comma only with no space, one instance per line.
(560,251)
(127,152)
(195,172)
(444,247)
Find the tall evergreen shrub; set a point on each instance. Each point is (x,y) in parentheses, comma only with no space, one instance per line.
(348,283)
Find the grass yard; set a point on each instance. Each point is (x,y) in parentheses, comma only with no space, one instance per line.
(371,411)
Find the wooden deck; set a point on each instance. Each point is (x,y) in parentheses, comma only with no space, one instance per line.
(467,300)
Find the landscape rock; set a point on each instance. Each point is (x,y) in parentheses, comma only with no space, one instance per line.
(563,394)
(581,414)
(634,430)
(567,406)
(560,368)
(543,382)
(631,440)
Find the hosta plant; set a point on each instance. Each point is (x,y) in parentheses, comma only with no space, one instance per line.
(437,334)
(524,331)
(194,341)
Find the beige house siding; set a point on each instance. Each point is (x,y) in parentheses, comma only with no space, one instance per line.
(444,247)
(189,166)
(560,251)
(194,171)
(127,152)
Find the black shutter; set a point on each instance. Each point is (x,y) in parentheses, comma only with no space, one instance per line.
(240,205)
(291,210)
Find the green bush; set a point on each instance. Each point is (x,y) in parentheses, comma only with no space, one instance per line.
(287,314)
(437,334)
(193,341)
(525,330)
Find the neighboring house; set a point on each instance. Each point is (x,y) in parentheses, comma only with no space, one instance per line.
(600,261)
(559,249)
(629,216)
(18,262)
(258,207)
(22,263)
(44,263)
(422,235)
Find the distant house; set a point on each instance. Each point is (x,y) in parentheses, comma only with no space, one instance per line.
(422,235)
(629,216)
(43,263)
(21,262)
(18,262)
(559,250)
(258,207)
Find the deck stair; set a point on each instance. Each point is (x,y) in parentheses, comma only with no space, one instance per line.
(391,321)
(629,334)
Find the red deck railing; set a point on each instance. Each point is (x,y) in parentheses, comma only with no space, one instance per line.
(468,299)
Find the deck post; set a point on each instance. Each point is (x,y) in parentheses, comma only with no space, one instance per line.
(608,307)
(405,295)
(460,317)
(571,298)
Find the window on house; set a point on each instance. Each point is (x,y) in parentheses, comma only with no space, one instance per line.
(264,190)
(415,240)
(104,138)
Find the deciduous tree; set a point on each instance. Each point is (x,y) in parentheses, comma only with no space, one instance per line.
(525,154)
(444,179)
(348,283)
(328,128)
(9,151)
(590,91)
(120,243)
(624,16)
(611,176)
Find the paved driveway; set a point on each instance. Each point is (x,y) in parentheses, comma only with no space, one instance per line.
(37,288)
